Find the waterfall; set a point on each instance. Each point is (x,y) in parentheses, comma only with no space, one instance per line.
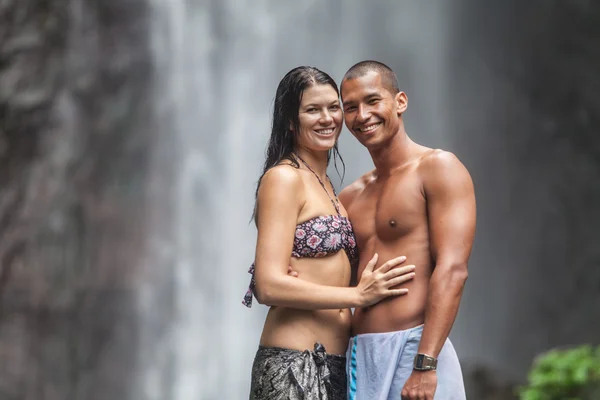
(218,64)
(132,134)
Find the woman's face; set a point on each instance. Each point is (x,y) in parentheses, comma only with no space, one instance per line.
(320,118)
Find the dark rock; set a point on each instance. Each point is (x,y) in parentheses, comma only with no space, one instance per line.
(485,383)
(75,143)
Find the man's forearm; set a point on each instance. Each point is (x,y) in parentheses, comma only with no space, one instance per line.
(445,291)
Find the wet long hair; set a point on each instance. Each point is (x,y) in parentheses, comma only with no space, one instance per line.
(286,109)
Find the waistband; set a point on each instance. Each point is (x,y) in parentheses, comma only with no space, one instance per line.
(319,349)
(417,330)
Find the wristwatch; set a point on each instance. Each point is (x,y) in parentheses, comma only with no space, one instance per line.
(423,362)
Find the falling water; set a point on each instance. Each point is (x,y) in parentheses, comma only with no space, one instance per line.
(166,217)
(218,66)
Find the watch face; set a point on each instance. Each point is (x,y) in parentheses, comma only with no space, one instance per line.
(419,361)
(423,362)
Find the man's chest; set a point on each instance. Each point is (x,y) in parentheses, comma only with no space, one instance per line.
(388,210)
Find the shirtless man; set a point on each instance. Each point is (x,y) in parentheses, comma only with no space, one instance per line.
(418,202)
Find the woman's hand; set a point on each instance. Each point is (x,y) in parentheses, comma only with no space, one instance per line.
(375,285)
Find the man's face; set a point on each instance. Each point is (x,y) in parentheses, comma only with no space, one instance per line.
(371,112)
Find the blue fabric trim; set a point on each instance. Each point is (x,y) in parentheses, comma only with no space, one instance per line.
(352,374)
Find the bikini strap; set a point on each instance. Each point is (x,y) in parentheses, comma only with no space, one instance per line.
(336,202)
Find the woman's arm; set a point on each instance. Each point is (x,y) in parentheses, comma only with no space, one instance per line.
(280,200)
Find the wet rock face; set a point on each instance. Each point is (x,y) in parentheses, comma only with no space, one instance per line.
(528,127)
(487,383)
(74,147)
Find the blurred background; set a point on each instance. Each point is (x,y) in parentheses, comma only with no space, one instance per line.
(132,134)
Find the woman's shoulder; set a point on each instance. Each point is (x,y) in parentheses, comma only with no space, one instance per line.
(281,187)
(283,176)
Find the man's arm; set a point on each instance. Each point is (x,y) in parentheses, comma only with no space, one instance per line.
(451,213)
(451,217)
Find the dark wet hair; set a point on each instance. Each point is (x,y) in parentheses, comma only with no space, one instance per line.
(286,108)
(388,77)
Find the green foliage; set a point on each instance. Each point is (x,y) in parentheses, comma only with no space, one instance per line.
(566,374)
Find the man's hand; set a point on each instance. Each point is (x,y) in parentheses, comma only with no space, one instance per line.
(291,272)
(420,385)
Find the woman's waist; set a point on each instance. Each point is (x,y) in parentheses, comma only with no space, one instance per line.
(332,270)
(313,320)
(301,329)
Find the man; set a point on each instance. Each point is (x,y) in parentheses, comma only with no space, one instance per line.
(418,202)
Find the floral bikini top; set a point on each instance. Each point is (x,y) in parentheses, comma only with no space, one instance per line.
(318,237)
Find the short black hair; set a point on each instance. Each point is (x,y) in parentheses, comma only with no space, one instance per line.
(388,77)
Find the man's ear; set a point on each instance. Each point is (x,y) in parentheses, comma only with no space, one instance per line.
(402,101)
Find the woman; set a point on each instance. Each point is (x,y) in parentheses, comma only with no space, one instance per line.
(297,213)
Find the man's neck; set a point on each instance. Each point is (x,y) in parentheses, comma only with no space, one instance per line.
(393,154)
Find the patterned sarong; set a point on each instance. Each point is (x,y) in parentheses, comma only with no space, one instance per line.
(285,374)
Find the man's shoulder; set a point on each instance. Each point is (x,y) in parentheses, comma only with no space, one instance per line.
(440,168)
(362,182)
(434,160)
(351,191)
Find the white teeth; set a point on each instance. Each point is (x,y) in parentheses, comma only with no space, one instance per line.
(325,131)
(369,128)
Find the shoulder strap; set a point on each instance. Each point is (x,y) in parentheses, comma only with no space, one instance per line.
(336,202)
